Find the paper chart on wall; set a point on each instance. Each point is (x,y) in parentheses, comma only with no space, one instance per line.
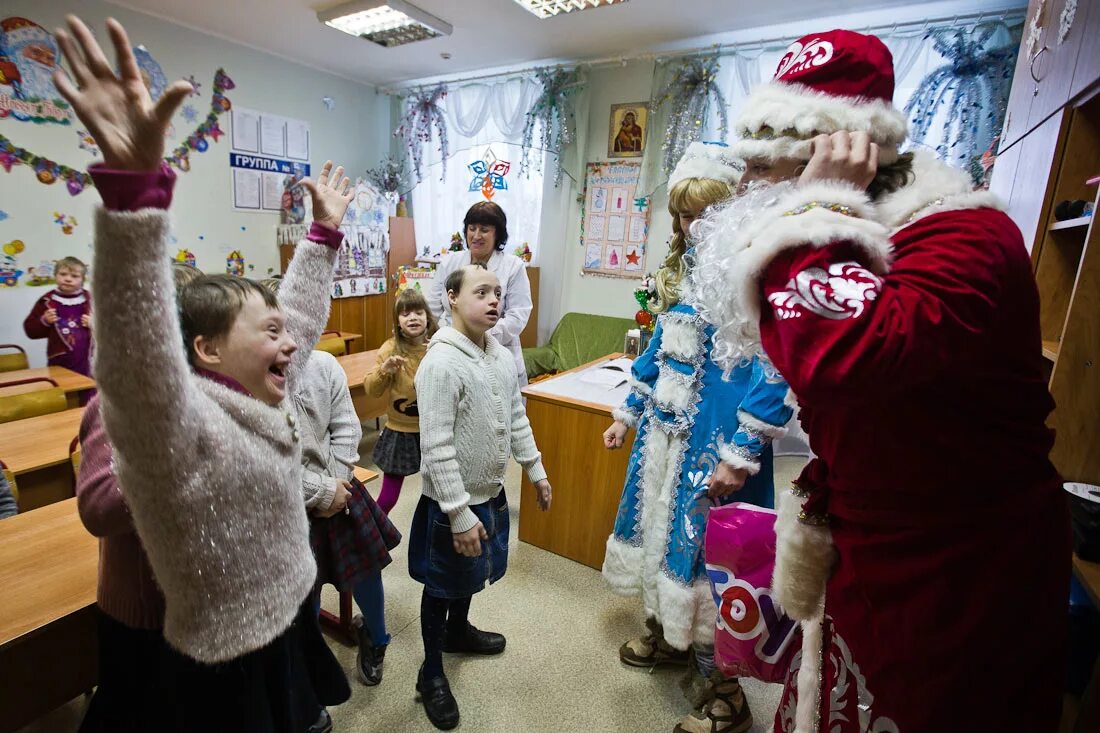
(246,189)
(614,220)
(246,131)
(273,191)
(265,149)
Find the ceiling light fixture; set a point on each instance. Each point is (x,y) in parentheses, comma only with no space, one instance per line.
(385,22)
(549,8)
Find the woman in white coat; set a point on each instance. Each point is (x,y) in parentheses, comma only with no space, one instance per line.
(486,230)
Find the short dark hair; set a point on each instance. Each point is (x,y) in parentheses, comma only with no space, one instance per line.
(210,305)
(892,177)
(489,213)
(454,281)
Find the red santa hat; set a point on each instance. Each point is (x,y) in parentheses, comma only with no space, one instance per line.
(825,82)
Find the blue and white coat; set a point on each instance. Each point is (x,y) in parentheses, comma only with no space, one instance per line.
(688,419)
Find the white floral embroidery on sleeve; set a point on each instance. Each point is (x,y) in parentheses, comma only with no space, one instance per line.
(842,292)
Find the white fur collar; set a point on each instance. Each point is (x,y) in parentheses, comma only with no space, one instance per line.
(936,187)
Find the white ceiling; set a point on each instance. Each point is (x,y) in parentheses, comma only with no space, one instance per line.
(487,33)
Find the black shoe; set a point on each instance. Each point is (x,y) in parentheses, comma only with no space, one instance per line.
(369,659)
(474,641)
(323,724)
(439,704)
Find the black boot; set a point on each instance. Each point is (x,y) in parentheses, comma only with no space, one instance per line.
(439,704)
(369,659)
(473,641)
(323,724)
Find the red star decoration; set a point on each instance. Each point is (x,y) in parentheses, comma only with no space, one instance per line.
(216,132)
(632,258)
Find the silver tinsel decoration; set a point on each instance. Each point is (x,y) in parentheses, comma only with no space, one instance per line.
(422,112)
(970,91)
(690,96)
(553,111)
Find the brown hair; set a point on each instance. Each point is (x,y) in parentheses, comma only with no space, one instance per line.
(209,306)
(454,281)
(411,299)
(71,263)
(489,213)
(183,274)
(892,177)
(689,195)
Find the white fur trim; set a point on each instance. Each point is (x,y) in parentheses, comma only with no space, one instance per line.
(708,160)
(791,399)
(728,454)
(687,613)
(680,338)
(674,390)
(774,233)
(804,559)
(640,387)
(809,676)
(620,567)
(756,425)
(626,417)
(936,187)
(789,106)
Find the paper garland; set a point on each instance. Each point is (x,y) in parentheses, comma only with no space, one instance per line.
(49,172)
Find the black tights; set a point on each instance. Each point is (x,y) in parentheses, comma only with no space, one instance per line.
(440,616)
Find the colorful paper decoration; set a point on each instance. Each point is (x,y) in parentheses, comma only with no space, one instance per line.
(553,111)
(489,173)
(46,170)
(65,221)
(689,96)
(186,256)
(151,73)
(3,215)
(423,111)
(219,103)
(9,267)
(524,252)
(87,142)
(970,90)
(41,275)
(29,56)
(234,264)
(195,86)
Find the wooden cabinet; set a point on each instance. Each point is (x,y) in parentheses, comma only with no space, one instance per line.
(1023,92)
(1055,61)
(1027,179)
(1088,57)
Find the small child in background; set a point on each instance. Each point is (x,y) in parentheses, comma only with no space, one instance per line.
(63,316)
(351,536)
(131,606)
(397,451)
(472,417)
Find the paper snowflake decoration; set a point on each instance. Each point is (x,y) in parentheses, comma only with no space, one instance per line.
(87,142)
(195,86)
(189,113)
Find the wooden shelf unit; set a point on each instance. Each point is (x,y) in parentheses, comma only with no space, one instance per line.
(1050,148)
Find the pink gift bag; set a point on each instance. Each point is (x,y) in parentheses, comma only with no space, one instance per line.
(753,636)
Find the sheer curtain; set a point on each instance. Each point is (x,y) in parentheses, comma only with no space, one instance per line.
(485,123)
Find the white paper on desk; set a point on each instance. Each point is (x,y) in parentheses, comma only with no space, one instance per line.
(610,374)
(623,364)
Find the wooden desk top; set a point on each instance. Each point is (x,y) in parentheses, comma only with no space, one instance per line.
(531,391)
(357,365)
(365,475)
(48,565)
(68,380)
(39,442)
(348,336)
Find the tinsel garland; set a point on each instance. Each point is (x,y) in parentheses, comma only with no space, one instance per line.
(48,171)
(553,111)
(690,95)
(423,111)
(970,89)
(389,176)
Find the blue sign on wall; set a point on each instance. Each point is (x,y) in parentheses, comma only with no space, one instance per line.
(270,165)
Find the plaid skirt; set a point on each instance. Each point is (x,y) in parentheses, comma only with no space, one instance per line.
(397,453)
(351,547)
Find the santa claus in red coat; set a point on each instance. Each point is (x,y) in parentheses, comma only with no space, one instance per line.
(926,546)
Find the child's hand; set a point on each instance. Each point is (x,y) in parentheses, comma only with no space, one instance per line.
(726,480)
(545,494)
(468,543)
(50,316)
(393,365)
(125,122)
(331,196)
(339,500)
(614,435)
(86,320)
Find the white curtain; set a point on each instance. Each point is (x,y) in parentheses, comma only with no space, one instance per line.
(485,122)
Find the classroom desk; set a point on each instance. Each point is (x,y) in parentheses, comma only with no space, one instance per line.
(69,381)
(36,449)
(587,478)
(48,654)
(356,367)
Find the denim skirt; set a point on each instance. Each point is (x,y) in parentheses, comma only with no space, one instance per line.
(432,557)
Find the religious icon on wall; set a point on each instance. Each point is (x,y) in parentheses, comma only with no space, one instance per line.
(626,138)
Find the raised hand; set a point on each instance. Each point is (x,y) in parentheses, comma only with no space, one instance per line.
(127,125)
(331,195)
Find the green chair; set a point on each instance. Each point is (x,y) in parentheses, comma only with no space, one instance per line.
(578,339)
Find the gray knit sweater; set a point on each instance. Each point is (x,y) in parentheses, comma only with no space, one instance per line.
(329,427)
(212,476)
(471,418)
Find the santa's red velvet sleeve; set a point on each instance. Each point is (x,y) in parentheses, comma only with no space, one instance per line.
(845,317)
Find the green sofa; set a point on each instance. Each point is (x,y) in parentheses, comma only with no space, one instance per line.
(578,339)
